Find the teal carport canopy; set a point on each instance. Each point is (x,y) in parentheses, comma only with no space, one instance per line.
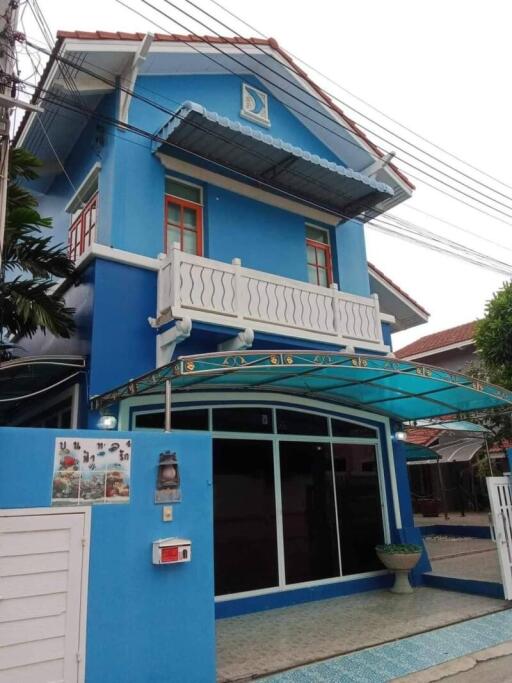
(398,389)
(270,161)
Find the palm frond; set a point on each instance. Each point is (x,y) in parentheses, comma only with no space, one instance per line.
(31,260)
(29,305)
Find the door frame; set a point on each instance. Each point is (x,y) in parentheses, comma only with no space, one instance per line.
(86,542)
(275,438)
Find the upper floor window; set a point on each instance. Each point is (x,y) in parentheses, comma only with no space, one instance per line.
(318,256)
(183,216)
(83,208)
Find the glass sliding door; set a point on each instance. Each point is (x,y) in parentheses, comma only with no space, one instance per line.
(245,536)
(308,508)
(359,506)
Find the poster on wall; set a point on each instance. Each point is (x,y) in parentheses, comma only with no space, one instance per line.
(91,471)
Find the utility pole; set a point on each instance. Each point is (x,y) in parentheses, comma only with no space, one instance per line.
(8,23)
(9,10)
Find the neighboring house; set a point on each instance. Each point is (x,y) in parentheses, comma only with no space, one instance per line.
(223,226)
(453,349)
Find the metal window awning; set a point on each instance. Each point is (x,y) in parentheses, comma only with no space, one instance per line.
(31,376)
(457,450)
(266,159)
(398,389)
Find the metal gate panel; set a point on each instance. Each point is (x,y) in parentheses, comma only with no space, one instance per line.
(43,560)
(500,498)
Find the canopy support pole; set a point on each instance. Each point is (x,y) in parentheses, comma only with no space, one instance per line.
(167,405)
(441,487)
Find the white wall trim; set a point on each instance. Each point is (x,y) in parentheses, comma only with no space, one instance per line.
(198,173)
(119,256)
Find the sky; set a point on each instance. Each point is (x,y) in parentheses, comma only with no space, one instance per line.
(440,68)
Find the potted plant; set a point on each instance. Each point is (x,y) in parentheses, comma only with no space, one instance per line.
(400,558)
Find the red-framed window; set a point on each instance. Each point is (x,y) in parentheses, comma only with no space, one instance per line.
(319,258)
(183,217)
(82,232)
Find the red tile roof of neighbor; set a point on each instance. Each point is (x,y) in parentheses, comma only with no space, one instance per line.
(438,340)
(271,42)
(422,436)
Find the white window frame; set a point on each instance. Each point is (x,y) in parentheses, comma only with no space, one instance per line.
(210,402)
(92,177)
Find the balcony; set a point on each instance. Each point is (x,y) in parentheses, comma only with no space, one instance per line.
(228,294)
(82,233)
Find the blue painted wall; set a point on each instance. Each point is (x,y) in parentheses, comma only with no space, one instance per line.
(351,255)
(408,533)
(144,622)
(132,181)
(123,342)
(95,145)
(264,237)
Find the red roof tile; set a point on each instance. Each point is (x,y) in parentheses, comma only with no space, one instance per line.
(438,340)
(271,42)
(395,286)
(422,436)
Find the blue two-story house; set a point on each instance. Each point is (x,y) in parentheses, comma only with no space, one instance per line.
(214,199)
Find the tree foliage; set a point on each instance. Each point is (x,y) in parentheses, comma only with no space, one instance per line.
(30,262)
(494,337)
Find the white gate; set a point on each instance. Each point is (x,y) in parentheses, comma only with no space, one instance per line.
(43,580)
(500,498)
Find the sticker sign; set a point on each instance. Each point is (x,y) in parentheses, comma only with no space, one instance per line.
(91,471)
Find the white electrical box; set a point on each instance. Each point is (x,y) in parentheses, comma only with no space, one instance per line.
(172,550)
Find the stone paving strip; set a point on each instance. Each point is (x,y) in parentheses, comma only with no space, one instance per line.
(457,666)
(262,643)
(460,645)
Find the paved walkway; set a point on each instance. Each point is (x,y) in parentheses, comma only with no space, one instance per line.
(258,644)
(401,658)
(464,558)
(454,519)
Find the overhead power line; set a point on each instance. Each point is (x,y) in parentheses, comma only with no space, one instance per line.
(262,78)
(475,258)
(495,264)
(363,101)
(330,106)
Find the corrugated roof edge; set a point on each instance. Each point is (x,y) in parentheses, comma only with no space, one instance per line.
(271,42)
(188,108)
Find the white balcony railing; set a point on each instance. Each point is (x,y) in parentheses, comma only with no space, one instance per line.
(228,294)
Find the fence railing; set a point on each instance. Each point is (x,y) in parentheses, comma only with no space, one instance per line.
(229,294)
(82,232)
